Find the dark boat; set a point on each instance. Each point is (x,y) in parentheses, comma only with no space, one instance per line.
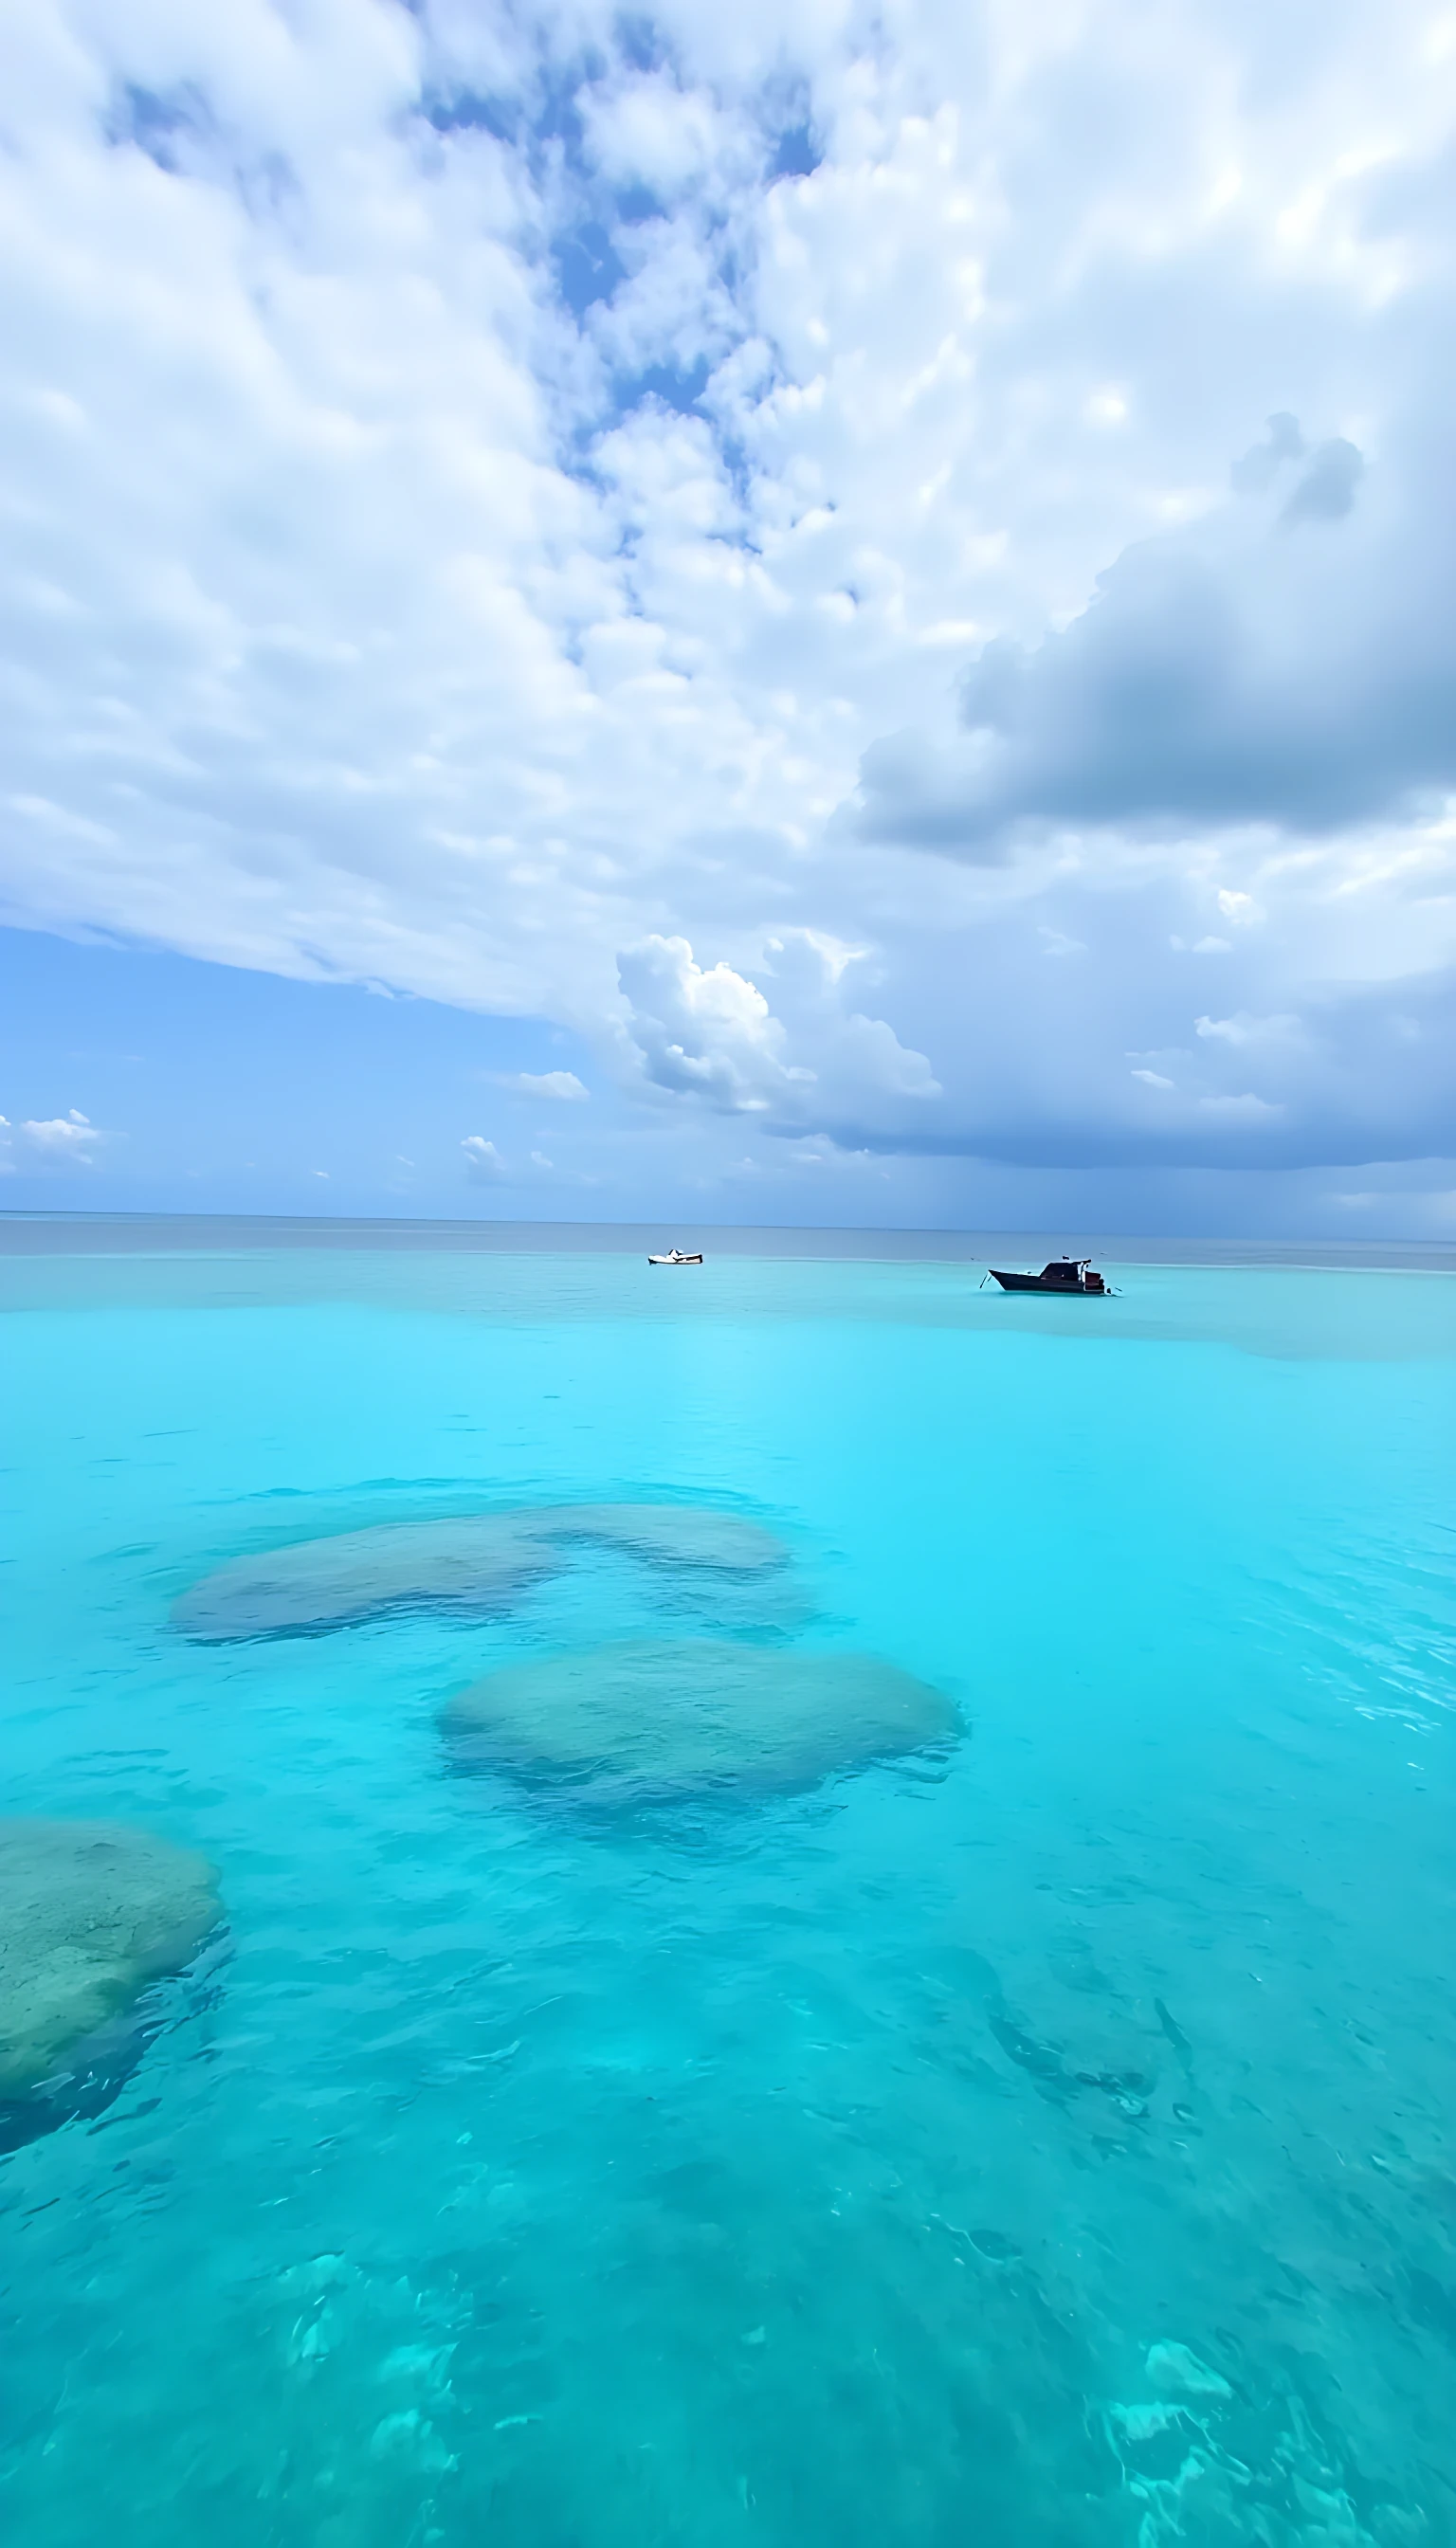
(1065,1274)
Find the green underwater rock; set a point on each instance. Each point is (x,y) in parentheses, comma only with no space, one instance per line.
(90,1913)
(648,1719)
(478,1562)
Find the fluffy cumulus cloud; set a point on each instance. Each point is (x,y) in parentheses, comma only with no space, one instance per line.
(889,572)
(484,1164)
(815,1062)
(558,1086)
(65,1142)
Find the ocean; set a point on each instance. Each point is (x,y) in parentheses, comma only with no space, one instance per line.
(1042,2135)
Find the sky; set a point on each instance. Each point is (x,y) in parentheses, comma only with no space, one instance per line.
(839,615)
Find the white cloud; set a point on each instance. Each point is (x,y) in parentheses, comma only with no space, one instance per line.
(445,561)
(65,1142)
(648,129)
(704,1033)
(483,1161)
(1247,1109)
(1247,1030)
(562,1085)
(1153,1078)
(1107,406)
(711,1033)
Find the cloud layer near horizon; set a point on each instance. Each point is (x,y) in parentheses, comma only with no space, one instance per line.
(891,575)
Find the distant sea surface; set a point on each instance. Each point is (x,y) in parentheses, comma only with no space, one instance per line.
(1039,2136)
(150,1233)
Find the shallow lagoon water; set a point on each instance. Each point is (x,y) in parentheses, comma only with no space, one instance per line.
(1045,2140)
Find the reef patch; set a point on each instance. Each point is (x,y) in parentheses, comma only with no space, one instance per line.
(91,1913)
(649,1720)
(477,1564)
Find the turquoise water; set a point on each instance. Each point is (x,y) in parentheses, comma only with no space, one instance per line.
(1046,2142)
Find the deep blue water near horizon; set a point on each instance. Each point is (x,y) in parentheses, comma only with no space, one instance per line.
(761,2172)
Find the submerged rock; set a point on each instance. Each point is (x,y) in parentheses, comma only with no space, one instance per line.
(666,1534)
(479,1565)
(478,1562)
(646,1720)
(90,1913)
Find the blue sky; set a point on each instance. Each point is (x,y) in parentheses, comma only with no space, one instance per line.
(841,616)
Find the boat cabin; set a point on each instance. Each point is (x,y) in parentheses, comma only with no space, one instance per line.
(1074,1272)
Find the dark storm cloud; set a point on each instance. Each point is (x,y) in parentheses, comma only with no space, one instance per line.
(1098,1044)
(1289,660)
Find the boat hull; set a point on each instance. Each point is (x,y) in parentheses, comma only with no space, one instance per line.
(1039,1283)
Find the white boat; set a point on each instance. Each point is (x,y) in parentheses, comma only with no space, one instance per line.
(675,1256)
